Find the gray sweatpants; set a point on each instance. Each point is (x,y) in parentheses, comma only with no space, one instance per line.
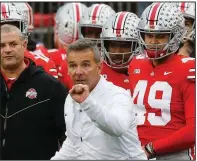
(182,155)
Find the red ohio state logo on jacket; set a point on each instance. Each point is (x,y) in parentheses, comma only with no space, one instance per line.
(31,93)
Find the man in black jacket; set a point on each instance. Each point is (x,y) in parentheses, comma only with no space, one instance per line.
(31,103)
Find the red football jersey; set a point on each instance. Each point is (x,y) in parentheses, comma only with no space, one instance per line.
(164,102)
(42,48)
(57,56)
(41,60)
(63,75)
(119,79)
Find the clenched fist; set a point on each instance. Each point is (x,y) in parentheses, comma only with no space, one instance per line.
(79,92)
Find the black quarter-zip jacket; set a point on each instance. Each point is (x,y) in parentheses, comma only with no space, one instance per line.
(31,116)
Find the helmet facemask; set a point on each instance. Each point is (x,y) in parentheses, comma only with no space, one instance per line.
(122,58)
(190,31)
(158,51)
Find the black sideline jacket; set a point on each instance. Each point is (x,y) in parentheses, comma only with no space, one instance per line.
(31,116)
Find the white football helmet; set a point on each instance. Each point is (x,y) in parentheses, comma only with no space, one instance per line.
(66,22)
(94,18)
(161,18)
(120,28)
(188,10)
(11,15)
(27,13)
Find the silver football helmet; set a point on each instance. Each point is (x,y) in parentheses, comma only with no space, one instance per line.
(11,15)
(27,13)
(92,21)
(66,20)
(120,31)
(188,10)
(161,19)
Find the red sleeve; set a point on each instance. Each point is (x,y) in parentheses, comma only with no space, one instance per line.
(185,137)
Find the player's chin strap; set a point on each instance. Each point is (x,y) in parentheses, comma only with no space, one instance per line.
(150,150)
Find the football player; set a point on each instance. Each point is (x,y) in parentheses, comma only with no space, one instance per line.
(92,21)
(188,45)
(119,43)
(162,84)
(67,32)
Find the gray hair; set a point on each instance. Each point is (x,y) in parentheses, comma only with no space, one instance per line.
(6,28)
(83,44)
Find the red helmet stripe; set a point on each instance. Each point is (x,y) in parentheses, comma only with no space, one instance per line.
(182,6)
(153,14)
(119,23)
(95,13)
(77,12)
(78,19)
(3,10)
(30,16)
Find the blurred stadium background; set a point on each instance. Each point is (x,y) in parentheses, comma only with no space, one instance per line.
(44,13)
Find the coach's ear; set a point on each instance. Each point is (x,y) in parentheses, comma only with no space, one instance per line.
(100,66)
(24,44)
